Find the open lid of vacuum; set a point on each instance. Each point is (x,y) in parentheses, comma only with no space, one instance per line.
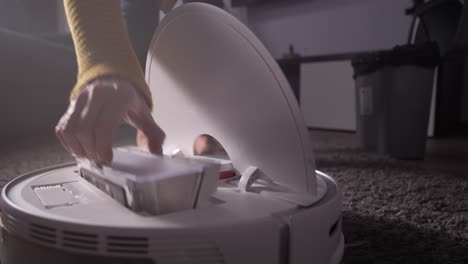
(209,74)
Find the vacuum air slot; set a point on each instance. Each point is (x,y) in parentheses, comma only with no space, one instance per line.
(79,234)
(43,239)
(43,233)
(80,241)
(80,246)
(46,228)
(130,245)
(124,238)
(13,224)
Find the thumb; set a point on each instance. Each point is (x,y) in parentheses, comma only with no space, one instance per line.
(149,133)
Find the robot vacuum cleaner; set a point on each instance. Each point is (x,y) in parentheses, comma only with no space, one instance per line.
(209,75)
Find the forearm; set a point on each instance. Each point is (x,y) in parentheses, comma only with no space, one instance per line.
(102,45)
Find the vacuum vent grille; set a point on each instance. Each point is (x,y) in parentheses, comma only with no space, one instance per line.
(12,224)
(80,241)
(43,234)
(180,250)
(127,245)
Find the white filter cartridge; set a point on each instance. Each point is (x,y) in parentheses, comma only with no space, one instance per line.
(152,184)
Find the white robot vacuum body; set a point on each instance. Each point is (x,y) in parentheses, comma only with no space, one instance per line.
(209,75)
(236,227)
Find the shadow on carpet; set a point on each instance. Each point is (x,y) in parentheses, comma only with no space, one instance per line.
(396,211)
(377,240)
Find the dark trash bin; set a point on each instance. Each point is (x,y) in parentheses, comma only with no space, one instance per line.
(393,98)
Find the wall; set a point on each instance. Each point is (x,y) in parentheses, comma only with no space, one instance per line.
(35,80)
(327,95)
(319,27)
(26,16)
(330,26)
(62,24)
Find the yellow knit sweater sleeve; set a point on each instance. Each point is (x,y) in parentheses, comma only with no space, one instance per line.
(102,45)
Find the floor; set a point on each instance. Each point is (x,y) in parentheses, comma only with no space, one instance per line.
(393,211)
(400,211)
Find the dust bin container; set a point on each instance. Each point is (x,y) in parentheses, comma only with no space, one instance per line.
(393,97)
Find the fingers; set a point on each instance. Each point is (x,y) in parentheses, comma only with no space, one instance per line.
(96,97)
(86,128)
(103,136)
(149,131)
(109,119)
(75,129)
(67,127)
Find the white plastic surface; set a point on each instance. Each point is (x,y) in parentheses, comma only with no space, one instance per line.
(220,231)
(97,208)
(210,75)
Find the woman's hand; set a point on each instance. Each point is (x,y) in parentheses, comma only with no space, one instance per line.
(86,128)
